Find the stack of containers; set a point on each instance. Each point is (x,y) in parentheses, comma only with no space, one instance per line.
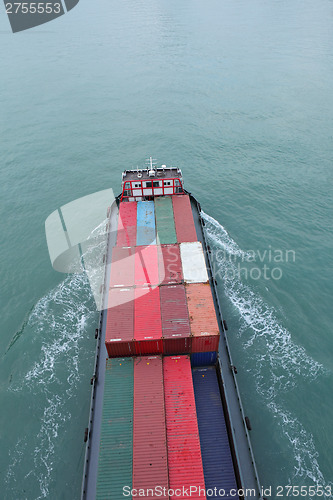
(165,318)
(122,267)
(146,266)
(150,459)
(149,432)
(126,234)
(115,462)
(165,224)
(184,453)
(169,265)
(134,326)
(119,333)
(183,216)
(204,340)
(146,231)
(120,323)
(175,321)
(147,310)
(159,301)
(204,327)
(193,262)
(147,321)
(215,448)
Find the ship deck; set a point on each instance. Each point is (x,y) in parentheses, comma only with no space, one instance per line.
(239,440)
(132,175)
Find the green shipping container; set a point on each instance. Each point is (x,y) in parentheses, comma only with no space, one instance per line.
(115,462)
(165,224)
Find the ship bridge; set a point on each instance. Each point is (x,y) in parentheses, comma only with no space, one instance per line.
(145,184)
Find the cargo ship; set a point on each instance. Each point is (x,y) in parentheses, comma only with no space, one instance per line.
(166,418)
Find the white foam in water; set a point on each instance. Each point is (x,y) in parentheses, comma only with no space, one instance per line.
(278,358)
(304,450)
(219,235)
(56,328)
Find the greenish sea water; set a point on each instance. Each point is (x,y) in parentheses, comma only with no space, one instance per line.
(239,95)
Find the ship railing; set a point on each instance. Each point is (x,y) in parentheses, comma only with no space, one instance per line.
(139,188)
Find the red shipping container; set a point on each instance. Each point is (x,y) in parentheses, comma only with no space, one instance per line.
(150,459)
(119,333)
(126,234)
(182,210)
(147,321)
(170,265)
(183,443)
(205,343)
(175,321)
(122,267)
(146,265)
(204,327)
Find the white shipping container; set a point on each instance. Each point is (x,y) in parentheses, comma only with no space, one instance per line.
(193,262)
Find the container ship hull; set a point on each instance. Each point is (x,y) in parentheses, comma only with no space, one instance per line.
(165,408)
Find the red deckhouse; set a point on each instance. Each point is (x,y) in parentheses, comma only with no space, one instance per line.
(141,185)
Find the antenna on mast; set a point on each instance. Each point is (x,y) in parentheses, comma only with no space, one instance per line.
(151,168)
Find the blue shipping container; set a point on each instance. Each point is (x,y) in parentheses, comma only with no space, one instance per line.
(203,358)
(146,230)
(215,449)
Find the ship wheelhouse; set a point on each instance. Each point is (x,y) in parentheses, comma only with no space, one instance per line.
(141,185)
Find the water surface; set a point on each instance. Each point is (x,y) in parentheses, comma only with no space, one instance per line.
(238,95)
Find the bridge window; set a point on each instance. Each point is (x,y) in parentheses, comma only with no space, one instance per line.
(148,184)
(156,184)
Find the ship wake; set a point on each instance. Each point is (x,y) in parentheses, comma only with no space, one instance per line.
(56,338)
(279,360)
